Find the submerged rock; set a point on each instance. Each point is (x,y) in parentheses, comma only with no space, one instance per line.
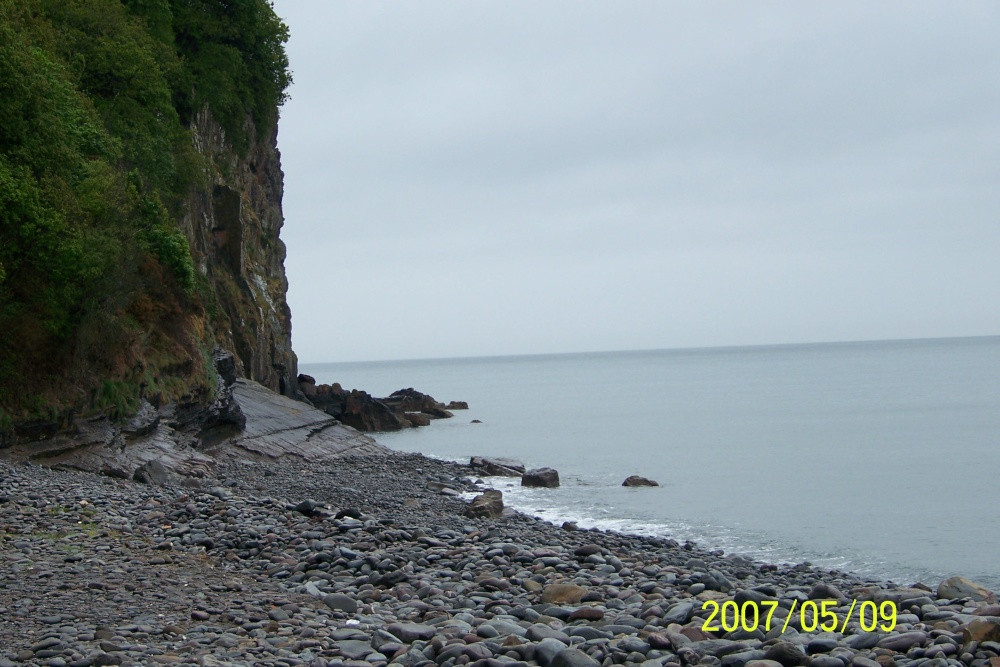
(636,480)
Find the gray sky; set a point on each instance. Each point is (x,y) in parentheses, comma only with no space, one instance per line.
(476,178)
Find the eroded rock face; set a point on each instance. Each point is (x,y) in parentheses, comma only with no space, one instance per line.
(233,228)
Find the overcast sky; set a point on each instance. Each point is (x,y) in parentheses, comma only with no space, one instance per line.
(479,178)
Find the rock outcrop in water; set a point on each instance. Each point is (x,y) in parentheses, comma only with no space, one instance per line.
(404,408)
(637,480)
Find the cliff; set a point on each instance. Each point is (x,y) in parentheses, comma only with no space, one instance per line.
(233,226)
(145,330)
(140,209)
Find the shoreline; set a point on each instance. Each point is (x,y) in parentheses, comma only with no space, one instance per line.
(366,560)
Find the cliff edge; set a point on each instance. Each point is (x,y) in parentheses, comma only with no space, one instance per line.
(140,209)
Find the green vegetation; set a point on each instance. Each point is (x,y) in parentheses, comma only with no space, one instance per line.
(96,164)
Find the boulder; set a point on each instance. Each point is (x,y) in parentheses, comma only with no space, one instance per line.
(541,477)
(417,419)
(825,591)
(405,408)
(636,480)
(366,413)
(341,602)
(457,405)
(497,467)
(487,505)
(152,472)
(329,398)
(786,654)
(411,400)
(306,507)
(307,384)
(573,657)
(981,630)
(960,587)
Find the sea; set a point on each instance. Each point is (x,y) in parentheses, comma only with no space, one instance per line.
(878,458)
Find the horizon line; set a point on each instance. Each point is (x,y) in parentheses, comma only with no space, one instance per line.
(690,348)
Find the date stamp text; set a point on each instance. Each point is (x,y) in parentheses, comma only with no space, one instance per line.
(822,615)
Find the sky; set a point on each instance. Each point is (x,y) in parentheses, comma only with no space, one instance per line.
(489,178)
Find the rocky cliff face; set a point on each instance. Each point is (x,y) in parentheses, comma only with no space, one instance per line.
(233,225)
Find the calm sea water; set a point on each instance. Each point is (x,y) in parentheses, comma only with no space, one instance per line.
(882,458)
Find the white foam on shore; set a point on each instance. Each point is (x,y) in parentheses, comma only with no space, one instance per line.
(538,503)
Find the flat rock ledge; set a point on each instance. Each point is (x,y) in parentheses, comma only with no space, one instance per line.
(365,561)
(248,421)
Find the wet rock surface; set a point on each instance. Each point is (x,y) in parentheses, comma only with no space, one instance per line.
(363,561)
(405,408)
(638,480)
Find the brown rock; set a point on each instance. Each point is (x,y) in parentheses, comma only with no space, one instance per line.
(487,505)
(695,633)
(591,614)
(960,587)
(563,593)
(418,419)
(989,610)
(370,414)
(983,630)
(307,384)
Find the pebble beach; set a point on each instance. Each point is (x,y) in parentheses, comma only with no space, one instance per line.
(371,560)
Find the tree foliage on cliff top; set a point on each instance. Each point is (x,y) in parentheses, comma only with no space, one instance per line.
(96,161)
